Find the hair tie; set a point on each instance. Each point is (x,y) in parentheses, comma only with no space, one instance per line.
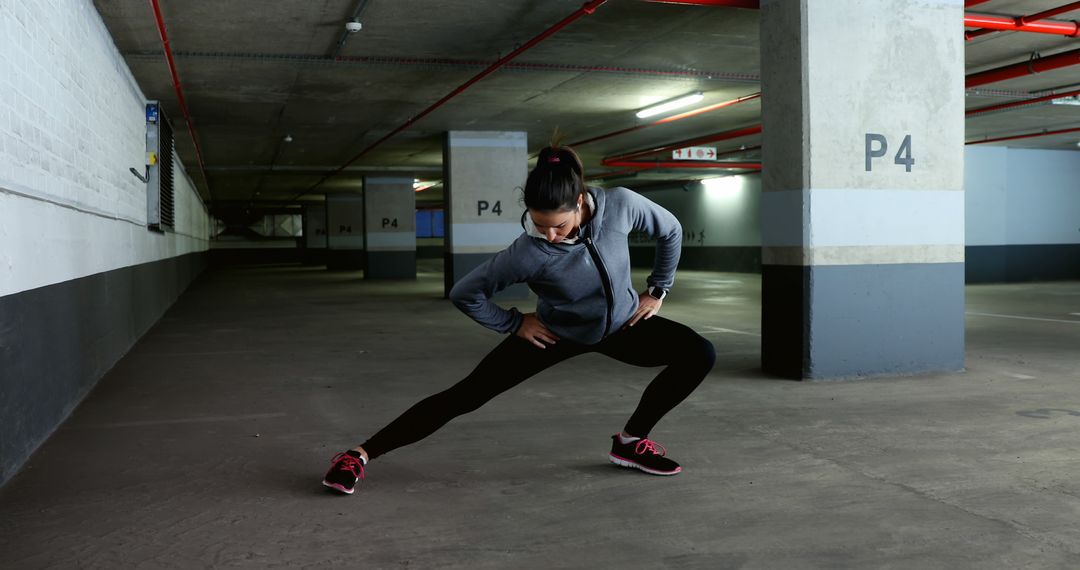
(553,158)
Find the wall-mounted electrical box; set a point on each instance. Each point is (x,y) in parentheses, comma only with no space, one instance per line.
(160,203)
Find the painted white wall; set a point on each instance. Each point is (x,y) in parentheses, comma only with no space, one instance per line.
(72,122)
(727,213)
(1022,196)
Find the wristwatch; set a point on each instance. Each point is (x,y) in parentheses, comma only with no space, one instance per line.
(657,293)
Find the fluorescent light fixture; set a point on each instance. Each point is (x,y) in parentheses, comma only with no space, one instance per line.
(671,104)
(1074,100)
(722,186)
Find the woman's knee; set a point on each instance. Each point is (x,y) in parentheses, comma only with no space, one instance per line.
(701,351)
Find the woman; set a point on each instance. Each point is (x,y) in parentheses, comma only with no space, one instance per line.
(575,256)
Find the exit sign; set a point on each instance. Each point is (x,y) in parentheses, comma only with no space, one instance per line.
(695,153)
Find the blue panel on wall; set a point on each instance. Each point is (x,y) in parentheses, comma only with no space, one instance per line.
(423,223)
(437,224)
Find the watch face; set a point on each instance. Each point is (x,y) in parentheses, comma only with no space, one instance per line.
(656,293)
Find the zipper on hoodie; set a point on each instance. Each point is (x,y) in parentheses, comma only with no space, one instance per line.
(609,295)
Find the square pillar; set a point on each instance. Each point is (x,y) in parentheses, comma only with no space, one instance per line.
(483,174)
(390,228)
(345,231)
(862,202)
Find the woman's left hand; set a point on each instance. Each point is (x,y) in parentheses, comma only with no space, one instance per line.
(647,307)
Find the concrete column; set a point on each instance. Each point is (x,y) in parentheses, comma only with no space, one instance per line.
(483,174)
(345,231)
(390,228)
(315,234)
(862,202)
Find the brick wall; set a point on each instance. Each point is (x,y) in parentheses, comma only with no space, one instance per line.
(72,123)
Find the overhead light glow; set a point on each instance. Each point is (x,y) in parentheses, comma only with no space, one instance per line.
(721,187)
(671,104)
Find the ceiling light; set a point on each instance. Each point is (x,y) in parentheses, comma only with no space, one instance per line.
(721,186)
(288,138)
(353,26)
(1074,100)
(671,104)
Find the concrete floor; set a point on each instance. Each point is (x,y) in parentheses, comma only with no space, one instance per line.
(205,445)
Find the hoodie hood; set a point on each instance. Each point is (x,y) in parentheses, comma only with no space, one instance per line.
(597,202)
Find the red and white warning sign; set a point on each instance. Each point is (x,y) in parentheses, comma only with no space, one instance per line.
(695,153)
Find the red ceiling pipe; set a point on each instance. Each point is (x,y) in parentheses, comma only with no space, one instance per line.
(970,3)
(180,94)
(1051,12)
(752,4)
(683,164)
(672,118)
(1026,136)
(1003,23)
(587,8)
(681,144)
(1038,65)
(1021,103)
(1021,20)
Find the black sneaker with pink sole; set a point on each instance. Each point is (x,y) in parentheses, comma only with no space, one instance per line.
(346,470)
(644,454)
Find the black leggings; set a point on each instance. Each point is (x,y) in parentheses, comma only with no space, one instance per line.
(657,341)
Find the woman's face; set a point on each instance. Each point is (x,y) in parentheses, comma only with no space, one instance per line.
(557,225)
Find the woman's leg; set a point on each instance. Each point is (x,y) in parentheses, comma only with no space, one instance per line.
(510,363)
(661,342)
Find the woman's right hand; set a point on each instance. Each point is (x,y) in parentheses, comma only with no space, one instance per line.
(534,331)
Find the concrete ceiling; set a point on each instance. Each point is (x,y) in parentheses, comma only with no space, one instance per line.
(254,72)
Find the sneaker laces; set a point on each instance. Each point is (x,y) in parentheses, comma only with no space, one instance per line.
(345,462)
(648,445)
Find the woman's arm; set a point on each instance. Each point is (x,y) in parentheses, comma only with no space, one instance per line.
(472,294)
(649,217)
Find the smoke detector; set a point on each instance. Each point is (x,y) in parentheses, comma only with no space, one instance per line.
(353,26)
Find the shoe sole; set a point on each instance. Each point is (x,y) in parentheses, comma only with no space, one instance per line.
(338,488)
(623,462)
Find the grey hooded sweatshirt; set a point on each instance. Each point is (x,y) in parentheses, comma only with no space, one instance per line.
(584,289)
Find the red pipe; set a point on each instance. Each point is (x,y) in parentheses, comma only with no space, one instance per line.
(671,119)
(1029,18)
(672,146)
(1021,103)
(1027,136)
(1039,65)
(1003,23)
(683,164)
(180,94)
(752,4)
(1051,12)
(587,8)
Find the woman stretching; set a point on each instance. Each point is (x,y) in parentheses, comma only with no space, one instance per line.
(575,255)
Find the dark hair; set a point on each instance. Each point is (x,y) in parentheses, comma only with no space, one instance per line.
(556,181)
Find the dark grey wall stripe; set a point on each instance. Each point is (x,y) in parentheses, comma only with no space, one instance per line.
(983,264)
(736,259)
(1017,263)
(57,341)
